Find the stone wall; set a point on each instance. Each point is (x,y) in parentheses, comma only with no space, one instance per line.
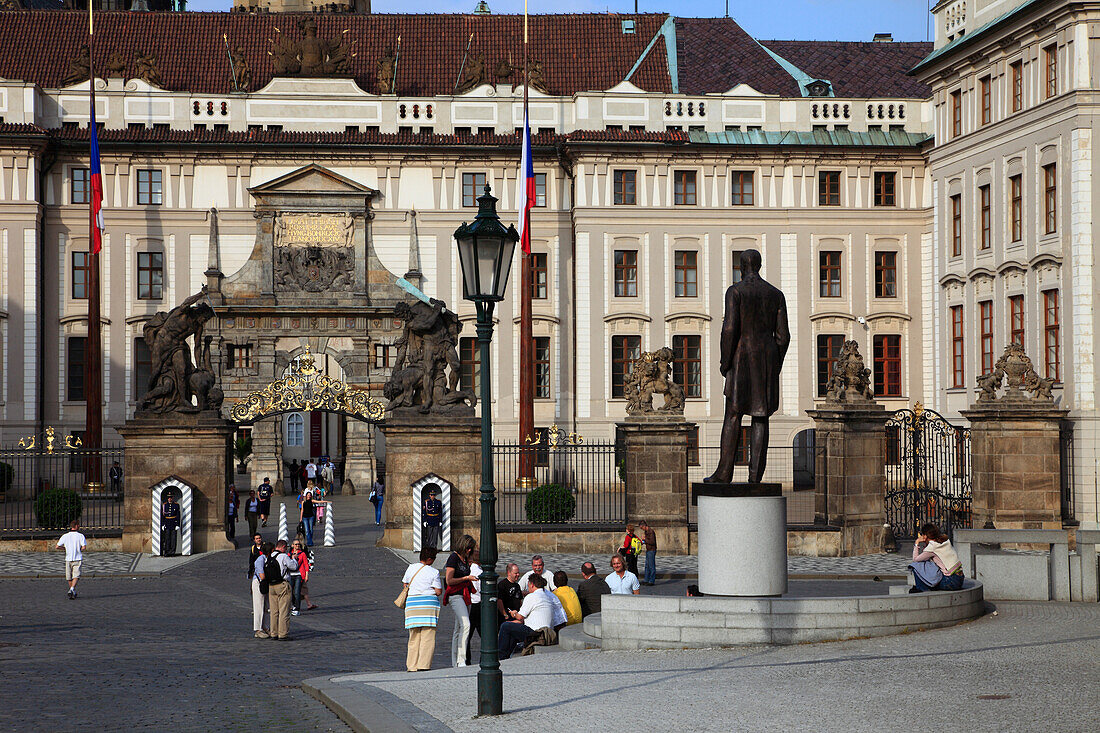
(655,450)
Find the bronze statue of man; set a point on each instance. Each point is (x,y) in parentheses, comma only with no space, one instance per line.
(755,337)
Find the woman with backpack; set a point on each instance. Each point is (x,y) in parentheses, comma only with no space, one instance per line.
(630,548)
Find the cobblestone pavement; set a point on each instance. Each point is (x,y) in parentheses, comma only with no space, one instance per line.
(53,563)
(176,651)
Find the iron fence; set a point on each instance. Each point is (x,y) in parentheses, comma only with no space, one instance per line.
(592,494)
(791,466)
(1069,510)
(30,509)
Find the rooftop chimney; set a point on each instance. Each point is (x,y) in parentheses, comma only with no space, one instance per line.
(883,37)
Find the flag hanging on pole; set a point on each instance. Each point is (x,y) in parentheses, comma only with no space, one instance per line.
(96,184)
(525,187)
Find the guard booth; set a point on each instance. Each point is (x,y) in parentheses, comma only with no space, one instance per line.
(183,492)
(421,490)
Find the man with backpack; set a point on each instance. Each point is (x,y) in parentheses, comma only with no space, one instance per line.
(276,571)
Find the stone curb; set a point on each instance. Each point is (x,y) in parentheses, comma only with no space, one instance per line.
(32,576)
(358,711)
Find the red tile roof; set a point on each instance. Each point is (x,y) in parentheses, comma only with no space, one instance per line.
(716,54)
(859,69)
(577,52)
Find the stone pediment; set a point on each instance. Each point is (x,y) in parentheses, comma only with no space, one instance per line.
(312,179)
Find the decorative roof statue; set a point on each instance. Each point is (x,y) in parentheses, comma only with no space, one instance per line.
(79,67)
(535,79)
(851,380)
(427,349)
(116,65)
(385,72)
(651,375)
(147,70)
(473,73)
(310,56)
(503,71)
(242,70)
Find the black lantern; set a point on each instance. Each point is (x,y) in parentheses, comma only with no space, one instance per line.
(485,250)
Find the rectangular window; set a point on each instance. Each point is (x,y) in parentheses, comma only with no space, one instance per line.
(687,364)
(1050,198)
(830,274)
(624,350)
(540,189)
(1050,56)
(74,367)
(887,351)
(473,184)
(828,349)
(240,356)
(683,188)
(737,274)
(1017,68)
(987,100)
(956,225)
(687,273)
(886,274)
(828,188)
(143,367)
(742,188)
(986,217)
(1052,336)
(542,367)
(693,446)
(469,357)
(956,114)
(385,356)
(80,189)
(884,188)
(626,273)
(1016,187)
(149,187)
(150,275)
(985,318)
(538,275)
(958,372)
(1016,319)
(82,265)
(295,430)
(626,190)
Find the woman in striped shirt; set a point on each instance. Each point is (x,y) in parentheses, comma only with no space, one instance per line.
(422,610)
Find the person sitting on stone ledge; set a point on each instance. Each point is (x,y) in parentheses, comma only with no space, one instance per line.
(535,614)
(538,567)
(622,581)
(570,603)
(590,590)
(935,565)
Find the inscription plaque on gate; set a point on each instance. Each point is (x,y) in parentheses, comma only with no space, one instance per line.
(314,252)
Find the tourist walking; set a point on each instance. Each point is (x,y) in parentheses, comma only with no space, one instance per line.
(649,541)
(311,471)
(621,581)
(591,590)
(276,572)
(570,603)
(115,474)
(422,582)
(74,543)
(377,496)
(475,607)
(264,492)
(252,512)
(328,475)
(629,549)
(256,557)
(295,472)
(307,514)
(936,565)
(232,506)
(298,576)
(458,592)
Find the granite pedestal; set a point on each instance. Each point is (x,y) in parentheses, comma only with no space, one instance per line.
(742,539)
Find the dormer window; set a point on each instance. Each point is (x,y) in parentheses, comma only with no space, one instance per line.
(818,88)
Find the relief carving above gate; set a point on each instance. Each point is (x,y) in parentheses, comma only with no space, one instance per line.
(314,252)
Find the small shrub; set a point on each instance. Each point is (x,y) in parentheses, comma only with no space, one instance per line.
(56,508)
(550,503)
(7,476)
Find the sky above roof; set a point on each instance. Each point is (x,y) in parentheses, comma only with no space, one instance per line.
(810,20)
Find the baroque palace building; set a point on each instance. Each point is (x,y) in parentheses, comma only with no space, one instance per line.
(663,146)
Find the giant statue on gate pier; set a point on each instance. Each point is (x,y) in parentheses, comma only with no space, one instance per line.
(426,350)
(755,337)
(175,383)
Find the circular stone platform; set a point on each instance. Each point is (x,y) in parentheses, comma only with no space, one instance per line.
(670,622)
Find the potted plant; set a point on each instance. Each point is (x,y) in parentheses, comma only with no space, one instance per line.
(242,451)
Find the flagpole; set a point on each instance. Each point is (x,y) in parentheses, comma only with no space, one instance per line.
(526,478)
(93,351)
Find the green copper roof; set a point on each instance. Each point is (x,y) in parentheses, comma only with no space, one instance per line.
(841,138)
(967,38)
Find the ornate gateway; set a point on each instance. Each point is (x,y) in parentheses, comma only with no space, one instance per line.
(305,389)
(927,472)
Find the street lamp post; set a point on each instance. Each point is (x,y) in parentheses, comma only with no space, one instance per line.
(485,251)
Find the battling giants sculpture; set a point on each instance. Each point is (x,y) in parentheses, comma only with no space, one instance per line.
(755,337)
(426,350)
(175,384)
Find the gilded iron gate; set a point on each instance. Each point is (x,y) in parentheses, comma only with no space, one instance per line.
(927,472)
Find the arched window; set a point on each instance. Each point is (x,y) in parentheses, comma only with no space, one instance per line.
(295,431)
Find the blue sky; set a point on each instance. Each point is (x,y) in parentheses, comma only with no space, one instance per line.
(816,20)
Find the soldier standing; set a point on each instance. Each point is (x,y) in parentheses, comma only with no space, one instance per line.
(169,523)
(433,520)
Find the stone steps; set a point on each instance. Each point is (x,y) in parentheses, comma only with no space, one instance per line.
(575,639)
(592,625)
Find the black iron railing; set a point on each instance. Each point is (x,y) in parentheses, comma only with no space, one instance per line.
(41,490)
(576,486)
(1069,510)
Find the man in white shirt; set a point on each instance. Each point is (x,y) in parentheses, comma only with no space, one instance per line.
(311,470)
(535,613)
(74,544)
(538,568)
(622,582)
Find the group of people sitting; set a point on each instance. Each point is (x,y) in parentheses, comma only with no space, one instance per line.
(531,609)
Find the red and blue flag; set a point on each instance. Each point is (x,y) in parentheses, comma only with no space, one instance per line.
(97,188)
(525,187)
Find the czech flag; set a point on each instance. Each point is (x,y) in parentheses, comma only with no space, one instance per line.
(97,188)
(525,187)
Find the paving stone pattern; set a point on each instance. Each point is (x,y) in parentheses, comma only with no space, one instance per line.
(53,563)
(176,651)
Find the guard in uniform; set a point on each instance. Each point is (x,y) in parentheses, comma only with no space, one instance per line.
(169,523)
(433,521)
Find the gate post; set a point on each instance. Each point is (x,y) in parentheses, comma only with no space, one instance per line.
(655,452)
